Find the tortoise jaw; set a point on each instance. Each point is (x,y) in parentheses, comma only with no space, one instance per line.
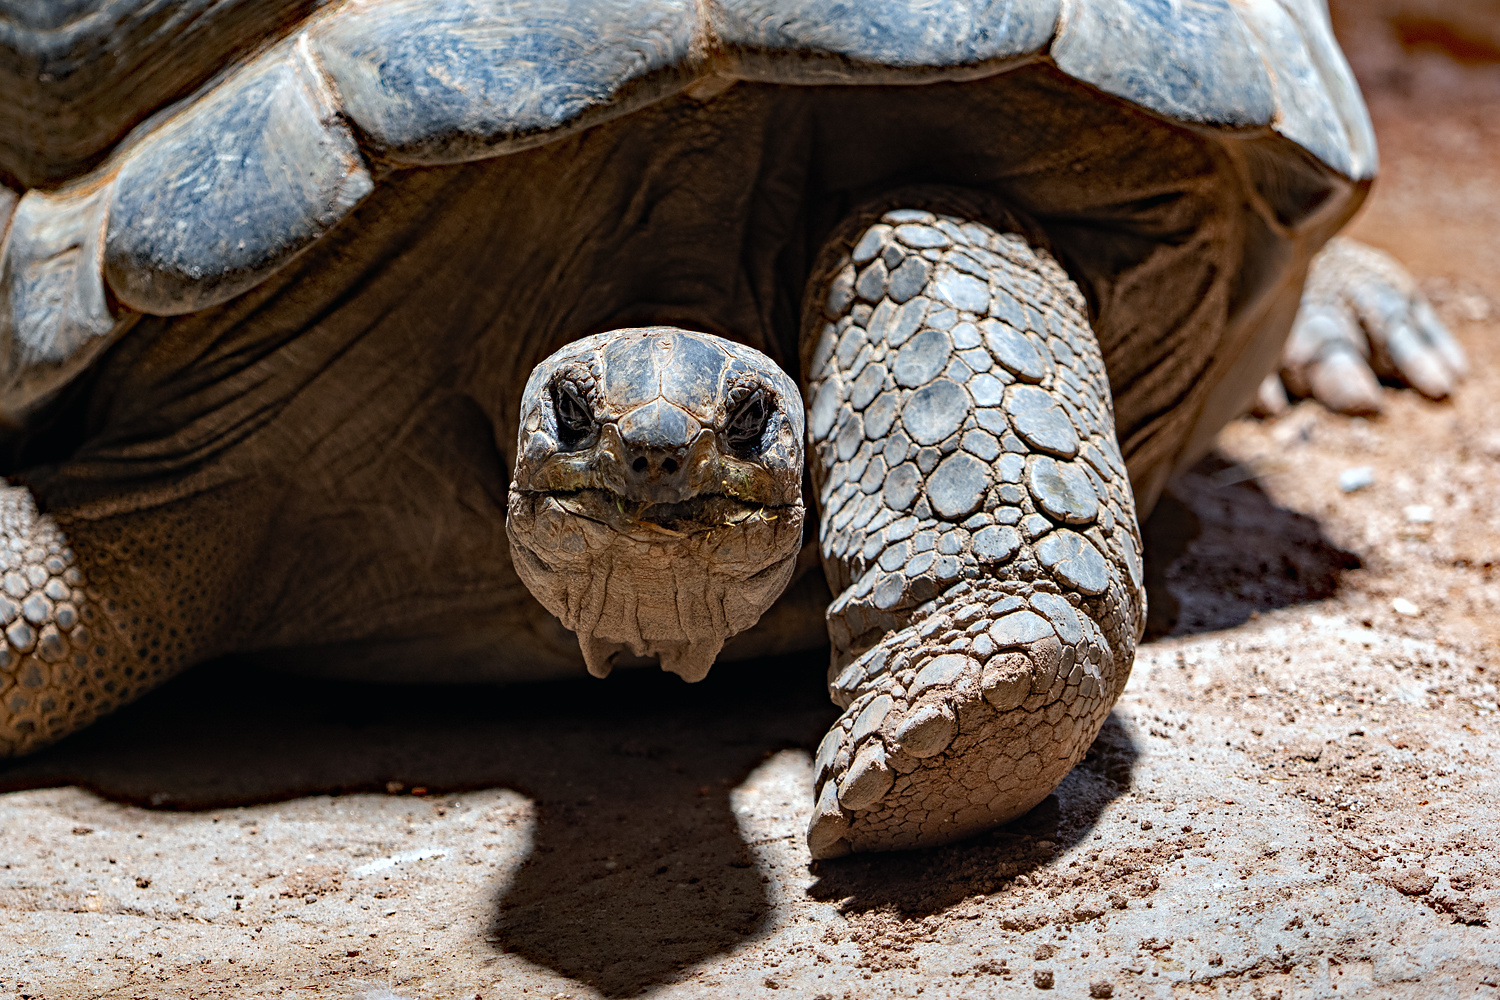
(648,520)
(667,580)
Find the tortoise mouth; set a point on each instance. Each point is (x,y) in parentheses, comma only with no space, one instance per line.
(659,521)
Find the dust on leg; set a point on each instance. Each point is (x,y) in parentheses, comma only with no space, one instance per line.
(977,524)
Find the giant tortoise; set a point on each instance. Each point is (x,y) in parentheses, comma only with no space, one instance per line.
(479,340)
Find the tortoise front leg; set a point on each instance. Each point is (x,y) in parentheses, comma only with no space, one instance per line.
(977,526)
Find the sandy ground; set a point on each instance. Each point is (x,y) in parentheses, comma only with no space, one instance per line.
(1295,797)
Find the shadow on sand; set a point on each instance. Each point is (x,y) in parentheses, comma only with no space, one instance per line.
(1219,550)
(637,771)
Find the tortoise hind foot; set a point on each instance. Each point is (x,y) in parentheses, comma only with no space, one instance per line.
(977,524)
(1362,318)
(75,644)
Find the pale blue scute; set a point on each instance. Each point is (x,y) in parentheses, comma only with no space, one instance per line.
(443,81)
(996,543)
(1191,60)
(1014,350)
(244,180)
(892,34)
(920,361)
(1040,421)
(1062,491)
(1020,628)
(1074,561)
(1062,616)
(1309,74)
(55,316)
(941,670)
(935,411)
(957,486)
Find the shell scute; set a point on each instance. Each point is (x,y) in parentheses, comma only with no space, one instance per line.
(231,189)
(807,41)
(442,82)
(1319,107)
(55,316)
(1190,61)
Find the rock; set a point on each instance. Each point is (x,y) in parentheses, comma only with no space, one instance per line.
(1418,514)
(1357,478)
(1042,978)
(1406,608)
(1463,910)
(1413,882)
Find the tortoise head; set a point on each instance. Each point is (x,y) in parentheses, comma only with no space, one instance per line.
(656,502)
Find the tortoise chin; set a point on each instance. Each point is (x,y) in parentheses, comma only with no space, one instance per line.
(669,580)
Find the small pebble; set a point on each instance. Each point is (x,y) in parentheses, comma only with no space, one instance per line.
(1357,478)
(1042,978)
(1418,514)
(1404,607)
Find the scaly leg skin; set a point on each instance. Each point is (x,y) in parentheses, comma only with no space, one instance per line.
(977,526)
(1362,317)
(75,648)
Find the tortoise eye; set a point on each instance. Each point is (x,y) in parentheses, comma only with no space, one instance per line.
(575,421)
(747,425)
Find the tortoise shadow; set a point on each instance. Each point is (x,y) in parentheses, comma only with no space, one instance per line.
(1219,550)
(637,869)
(631,779)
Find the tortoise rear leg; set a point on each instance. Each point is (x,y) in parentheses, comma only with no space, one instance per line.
(90,620)
(977,526)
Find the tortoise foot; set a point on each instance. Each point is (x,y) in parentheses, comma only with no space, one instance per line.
(1363,319)
(962,720)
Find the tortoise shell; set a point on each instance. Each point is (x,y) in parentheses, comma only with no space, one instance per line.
(169,158)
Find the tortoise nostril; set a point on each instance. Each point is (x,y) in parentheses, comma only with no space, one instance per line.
(669,466)
(640,464)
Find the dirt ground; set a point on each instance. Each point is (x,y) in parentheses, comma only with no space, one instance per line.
(1295,797)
